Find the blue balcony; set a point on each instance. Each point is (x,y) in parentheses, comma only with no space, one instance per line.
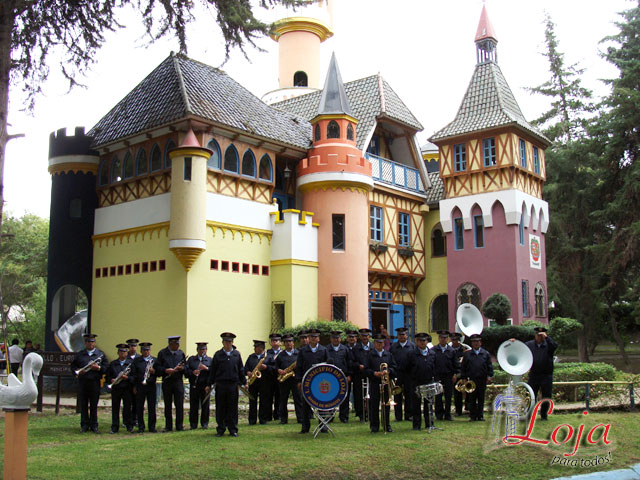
(396,174)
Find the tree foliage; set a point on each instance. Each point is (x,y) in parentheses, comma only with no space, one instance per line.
(497,307)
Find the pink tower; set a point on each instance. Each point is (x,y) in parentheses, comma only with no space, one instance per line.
(334,181)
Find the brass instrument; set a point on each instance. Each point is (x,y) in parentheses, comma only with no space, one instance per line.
(255,373)
(175,369)
(288,372)
(88,366)
(118,379)
(466,386)
(147,371)
(385,384)
(396,389)
(365,399)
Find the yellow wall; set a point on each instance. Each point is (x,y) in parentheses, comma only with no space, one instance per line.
(435,282)
(297,286)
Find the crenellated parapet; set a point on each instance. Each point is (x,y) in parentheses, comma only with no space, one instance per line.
(295,238)
(72,153)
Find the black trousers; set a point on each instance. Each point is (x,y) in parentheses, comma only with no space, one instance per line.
(121,396)
(420,410)
(146,393)
(476,399)
(374,407)
(260,408)
(196,395)
(406,398)
(14,368)
(457,400)
(290,387)
(444,410)
(274,397)
(227,407)
(88,396)
(544,383)
(134,409)
(357,395)
(173,392)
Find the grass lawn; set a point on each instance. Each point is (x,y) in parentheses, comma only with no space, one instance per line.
(463,450)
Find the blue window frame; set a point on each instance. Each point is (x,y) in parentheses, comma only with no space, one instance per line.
(523,153)
(478,231)
(525,298)
(404,229)
(376,223)
(214,159)
(536,161)
(458,232)
(489,152)
(249,164)
(231,159)
(521,229)
(265,171)
(460,154)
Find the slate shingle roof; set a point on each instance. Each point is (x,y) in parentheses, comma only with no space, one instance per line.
(365,101)
(488,103)
(179,87)
(436,192)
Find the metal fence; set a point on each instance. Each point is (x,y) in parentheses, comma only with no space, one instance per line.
(394,173)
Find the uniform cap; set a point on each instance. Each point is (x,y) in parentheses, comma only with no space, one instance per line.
(145,345)
(286,337)
(89,336)
(443,333)
(132,342)
(540,329)
(202,344)
(378,337)
(227,336)
(422,335)
(336,334)
(259,343)
(475,336)
(313,332)
(174,338)
(402,329)
(364,331)
(122,347)
(275,336)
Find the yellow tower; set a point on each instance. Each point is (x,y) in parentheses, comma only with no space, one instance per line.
(188,221)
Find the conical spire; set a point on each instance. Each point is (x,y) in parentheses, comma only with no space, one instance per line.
(485,28)
(486,39)
(334,98)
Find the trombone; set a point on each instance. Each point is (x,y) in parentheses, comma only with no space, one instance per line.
(365,399)
(385,384)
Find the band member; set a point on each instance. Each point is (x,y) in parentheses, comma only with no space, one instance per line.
(289,386)
(447,368)
(541,373)
(259,389)
(132,355)
(303,336)
(340,356)
(459,349)
(401,351)
(272,375)
(308,356)
(420,363)
(197,372)
(145,375)
(379,393)
(360,351)
(476,366)
(91,364)
(122,391)
(352,339)
(226,375)
(170,365)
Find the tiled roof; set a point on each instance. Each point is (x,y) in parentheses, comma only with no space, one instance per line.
(179,87)
(436,192)
(365,101)
(488,103)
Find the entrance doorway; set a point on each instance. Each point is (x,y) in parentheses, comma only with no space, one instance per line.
(380,316)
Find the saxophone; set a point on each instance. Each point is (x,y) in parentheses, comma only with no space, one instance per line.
(255,373)
(288,372)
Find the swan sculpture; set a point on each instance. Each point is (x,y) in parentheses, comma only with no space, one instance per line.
(20,395)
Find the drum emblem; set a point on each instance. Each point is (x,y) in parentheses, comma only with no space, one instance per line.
(325,387)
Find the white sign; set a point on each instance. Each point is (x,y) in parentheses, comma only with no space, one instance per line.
(535,252)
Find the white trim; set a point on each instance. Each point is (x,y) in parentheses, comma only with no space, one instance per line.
(95,159)
(335,177)
(369,137)
(187,243)
(238,211)
(137,213)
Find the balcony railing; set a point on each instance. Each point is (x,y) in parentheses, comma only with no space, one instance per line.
(396,174)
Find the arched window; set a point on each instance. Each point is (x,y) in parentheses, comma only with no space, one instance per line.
(265,171)
(540,303)
(440,313)
(300,79)
(469,293)
(103,176)
(317,133)
(168,146)
(156,158)
(214,159)
(141,162)
(438,242)
(116,170)
(249,164)
(231,159)
(127,166)
(333,129)
(349,132)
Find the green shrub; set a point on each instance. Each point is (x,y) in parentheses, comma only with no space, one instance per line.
(532,324)
(565,332)
(492,337)
(325,327)
(497,307)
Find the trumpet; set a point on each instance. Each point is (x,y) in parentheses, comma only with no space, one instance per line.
(88,366)
(147,372)
(118,379)
(175,369)
(466,386)
(288,372)
(255,373)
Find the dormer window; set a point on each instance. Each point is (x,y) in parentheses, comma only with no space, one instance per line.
(333,129)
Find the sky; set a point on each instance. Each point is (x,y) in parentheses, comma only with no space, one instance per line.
(423,48)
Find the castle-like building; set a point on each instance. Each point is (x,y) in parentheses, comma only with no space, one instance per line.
(194,207)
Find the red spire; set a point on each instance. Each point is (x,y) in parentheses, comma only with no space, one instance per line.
(190,140)
(485,29)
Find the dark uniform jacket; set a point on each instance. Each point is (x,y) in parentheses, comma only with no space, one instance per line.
(340,358)
(421,367)
(542,356)
(401,356)
(270,362)
(459,352)
(192,365)
(446,363)
(114,369)
(168,359)
(477,366)
(307,359)
(140,366)
(252,361)
(360,356)
(82,358)
(373,362)
(285,360)
(227,368)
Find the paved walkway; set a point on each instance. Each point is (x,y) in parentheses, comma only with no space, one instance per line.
(630,473)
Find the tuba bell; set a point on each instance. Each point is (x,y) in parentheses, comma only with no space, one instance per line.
(469,319)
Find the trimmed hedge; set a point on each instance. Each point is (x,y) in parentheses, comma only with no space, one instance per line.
(325,327)
(492,337)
